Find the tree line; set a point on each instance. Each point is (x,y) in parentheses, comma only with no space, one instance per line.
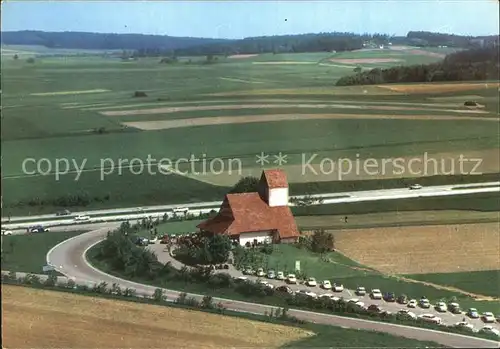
(475,64)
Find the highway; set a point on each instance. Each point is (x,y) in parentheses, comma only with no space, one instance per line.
(121,214)
(68,258)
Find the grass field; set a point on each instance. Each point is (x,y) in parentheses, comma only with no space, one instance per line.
(145,326)
(27,253)
(85,104)
(485,282)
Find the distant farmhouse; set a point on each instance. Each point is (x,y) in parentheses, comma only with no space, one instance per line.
(255,218)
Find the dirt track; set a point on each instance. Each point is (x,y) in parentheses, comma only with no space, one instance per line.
(438,88)
(424,249)
(47,319)
(365,60)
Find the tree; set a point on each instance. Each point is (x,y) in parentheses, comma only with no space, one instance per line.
(247,184)
(30,60)
(16,57)
(322,241)
(357,69)
(219,247)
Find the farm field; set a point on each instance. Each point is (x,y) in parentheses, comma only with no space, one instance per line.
(27,253)
(485,282)
(86,104)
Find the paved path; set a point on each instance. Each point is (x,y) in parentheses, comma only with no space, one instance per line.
(69,259)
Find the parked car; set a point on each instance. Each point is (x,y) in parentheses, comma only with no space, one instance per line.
(464,324)
(164,239)
(490,330)
(497,317)
(260,272)
(488,317)
(472,313)
(284,289)
(376,294)
(390,297)
(38,229)
(403,299)
(412,303)
(441,307)
(63,213)
(430,318)
(311,282)
(291,279)
(406,312)
(307,293)
(6,232)
(153,240)
(280,276)
(424,303)
(248,271)
(265,284)
(241,279)
(454,308)
(140,241)
(81,218)
(374,308)
(326,285)
(338,287)
(415,187)
(360,291)
(271,274)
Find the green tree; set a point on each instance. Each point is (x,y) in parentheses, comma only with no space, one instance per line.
(357,69)
(322,241)
(247,184)
(16,57)
(219,247)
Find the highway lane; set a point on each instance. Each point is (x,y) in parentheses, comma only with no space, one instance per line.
(339,197)
(68,258)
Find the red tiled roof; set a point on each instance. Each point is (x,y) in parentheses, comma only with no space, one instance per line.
(275,178)
(251,214)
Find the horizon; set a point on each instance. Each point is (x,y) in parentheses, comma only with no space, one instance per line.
(230,19)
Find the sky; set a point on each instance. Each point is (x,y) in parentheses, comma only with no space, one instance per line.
(239,19)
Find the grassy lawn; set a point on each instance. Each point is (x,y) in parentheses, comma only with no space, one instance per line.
(481,282)
(27,253)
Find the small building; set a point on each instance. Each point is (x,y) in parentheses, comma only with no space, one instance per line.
(258,217)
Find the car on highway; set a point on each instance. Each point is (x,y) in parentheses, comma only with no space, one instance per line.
(284,289)
(260,272)
(271,274)
(407,313)
(412,303)
(311,282)
(280,276)
(415,187)
(326,284)
(6,232)
(376,294)
(63,213)
(38,229)
(389,297)
(430,318)
(338,287)
(360,291)
(490,330)
(488,317)
(180,210)
(441,307)
(81,218)
(472,313)
(291,279)
(464,324)
(424,303)
(454,308)
(403,299)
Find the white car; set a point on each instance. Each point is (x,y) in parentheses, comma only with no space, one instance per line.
(265,283)
(464,324)
(430,318)
(424,303)
(181,210)
(82,218)
(271,274)
(6,232)
(338,287)
(308,293)
(360,291)
(260,272)
(488,317)
(415,187)
(412,303)
(376,294)
(280,276)
(326,285)
(407,312)
(490,329)
(291,279)
(441,307)
(242,278)
(311,282)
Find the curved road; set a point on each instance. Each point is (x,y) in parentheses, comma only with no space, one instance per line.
(68,258)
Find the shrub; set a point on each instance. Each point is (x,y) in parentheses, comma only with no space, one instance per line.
(51,281)
(140,94)
(181,299)
(100,288)
(116,290)
(30,60)
(70,284)
(470,103)
(158,295)
(207,302)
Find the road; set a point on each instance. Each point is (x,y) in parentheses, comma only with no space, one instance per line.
(69,259)
(121,214)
